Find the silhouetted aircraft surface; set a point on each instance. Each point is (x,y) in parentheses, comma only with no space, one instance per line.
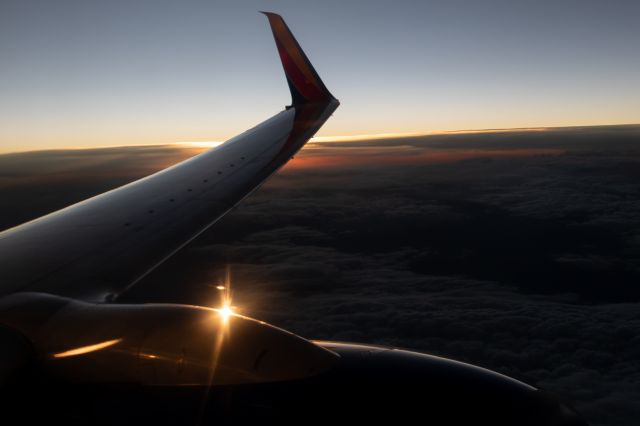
(69,352)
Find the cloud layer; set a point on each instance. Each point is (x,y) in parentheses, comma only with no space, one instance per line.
(518,251)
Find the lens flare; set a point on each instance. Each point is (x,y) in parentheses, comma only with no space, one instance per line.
(225,312)
(87,349)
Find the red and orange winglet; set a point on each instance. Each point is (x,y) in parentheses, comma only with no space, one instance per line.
(304,82)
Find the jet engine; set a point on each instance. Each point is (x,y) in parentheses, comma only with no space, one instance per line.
(150,344)
(178,364)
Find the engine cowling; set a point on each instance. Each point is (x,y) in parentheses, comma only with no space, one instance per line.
(192,364)
(157,344)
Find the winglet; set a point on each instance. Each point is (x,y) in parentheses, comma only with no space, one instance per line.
(304,82)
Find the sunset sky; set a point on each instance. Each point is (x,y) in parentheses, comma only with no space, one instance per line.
(86,73)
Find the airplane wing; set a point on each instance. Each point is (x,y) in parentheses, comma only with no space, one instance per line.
(97,248)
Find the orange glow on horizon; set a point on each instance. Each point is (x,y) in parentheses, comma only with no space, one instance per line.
(200,144)
(377,136)
(400,135)
(403,155)
(35,145)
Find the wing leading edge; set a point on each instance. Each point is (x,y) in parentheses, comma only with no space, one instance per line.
(95,249)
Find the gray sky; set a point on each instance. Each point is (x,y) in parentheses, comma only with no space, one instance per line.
(90,73)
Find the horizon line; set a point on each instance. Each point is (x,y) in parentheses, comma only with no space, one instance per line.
(335,138)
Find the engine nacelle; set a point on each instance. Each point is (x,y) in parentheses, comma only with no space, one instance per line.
(157,344)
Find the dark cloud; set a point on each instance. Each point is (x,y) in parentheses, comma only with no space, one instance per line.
(36,183)
(517,251)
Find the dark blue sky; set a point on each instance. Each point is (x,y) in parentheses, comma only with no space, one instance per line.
(87,73)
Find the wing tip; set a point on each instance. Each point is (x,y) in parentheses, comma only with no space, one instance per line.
(304,82)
